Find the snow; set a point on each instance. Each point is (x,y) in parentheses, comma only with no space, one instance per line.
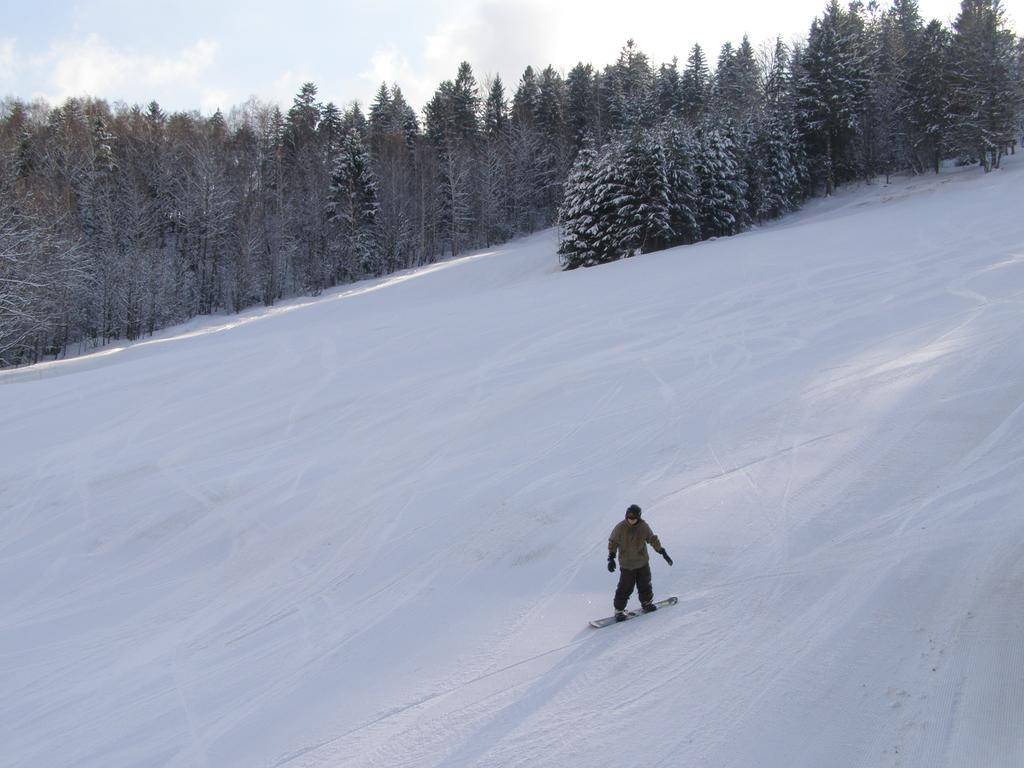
(369,529)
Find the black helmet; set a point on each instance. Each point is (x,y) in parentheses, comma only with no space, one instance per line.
(633,511)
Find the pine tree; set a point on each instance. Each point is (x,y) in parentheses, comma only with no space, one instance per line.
(439,115)
(525,150)
(393,133)
(747,79)
(928,107)
(453,126)
(735,84)
(551,123)
(495,120)
(772,158)
(630,89)
(581,103)
(883,133)
(695,86)
(1019,79)
(466,103)
(303,118)
(577,214)
(831,92)
(381,119)
(403,117)
(776,82)
(606,195)
(529,159)
(494,168)
(103,153)
(352,212)
(644,200)
(668,92)
(683,185)
(723,191)
(983,93)
(329,131)
(525,101)
(353,119)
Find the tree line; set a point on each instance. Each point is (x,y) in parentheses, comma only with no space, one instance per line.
(869,92)
(118,221)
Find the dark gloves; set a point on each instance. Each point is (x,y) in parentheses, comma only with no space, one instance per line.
(611,563)
(664,553)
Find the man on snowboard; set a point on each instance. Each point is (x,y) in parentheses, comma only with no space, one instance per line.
(630,539)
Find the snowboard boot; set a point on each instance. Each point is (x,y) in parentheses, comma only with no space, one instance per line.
(648,607)
(620,616)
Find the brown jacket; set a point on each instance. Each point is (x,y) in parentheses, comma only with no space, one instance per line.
(631,543)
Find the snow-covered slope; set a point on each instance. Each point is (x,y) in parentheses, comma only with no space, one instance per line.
(369,530)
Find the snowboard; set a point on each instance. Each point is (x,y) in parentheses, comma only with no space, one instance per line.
(598,623)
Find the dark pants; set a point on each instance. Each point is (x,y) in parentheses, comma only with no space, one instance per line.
(630,578)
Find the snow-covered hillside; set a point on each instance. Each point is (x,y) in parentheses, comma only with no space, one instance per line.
(369,530)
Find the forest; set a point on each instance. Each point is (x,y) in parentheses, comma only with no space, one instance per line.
(119,220)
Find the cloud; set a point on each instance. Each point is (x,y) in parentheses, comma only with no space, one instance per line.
(283,89)
(389,65)
(494,37)
(504,36)
(92,67)
(212,99)
(7,60)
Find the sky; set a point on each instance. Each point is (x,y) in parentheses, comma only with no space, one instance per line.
(197,55)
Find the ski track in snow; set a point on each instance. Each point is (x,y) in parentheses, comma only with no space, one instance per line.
(369,529)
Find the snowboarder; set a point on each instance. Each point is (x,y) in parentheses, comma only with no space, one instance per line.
(630,538)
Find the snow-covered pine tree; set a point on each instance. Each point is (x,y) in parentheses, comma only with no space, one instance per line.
(525,101)
(495,118)
(330,131)
(668,92)
(696,86)
(494,166)
(576,216)
(772,167)
(453,126)
(551,124)
(983,93)
(928,105)
(525,147)
(723,190)
(403,118)
(831,91)
(527,158)
(303,118)
(630,89)
(747,78)
(643,204)
(606,194)
(882,134)
(306,182)
(775,79)
(736,82)
(724,85)
(683,186)
(466,103)
(1018,77)
(392,143)
(379,121)
(352,212)
(581,104)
